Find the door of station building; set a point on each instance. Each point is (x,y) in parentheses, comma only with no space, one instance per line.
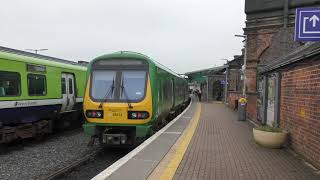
(68,92)
(271,100)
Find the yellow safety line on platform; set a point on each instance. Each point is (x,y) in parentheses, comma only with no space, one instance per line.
(184,140)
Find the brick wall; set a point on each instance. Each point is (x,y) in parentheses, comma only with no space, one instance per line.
(252,107)
(300,109)
(233,99)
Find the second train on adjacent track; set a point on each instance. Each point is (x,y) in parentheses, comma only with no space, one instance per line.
(130,96)
(38,94)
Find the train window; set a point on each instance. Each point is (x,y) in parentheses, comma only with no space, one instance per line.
(134,83)
(70,86)
(102,83)
(63,85)
(37,85)
(9,84)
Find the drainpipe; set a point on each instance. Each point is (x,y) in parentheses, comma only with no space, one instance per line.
(285,13)
(285,25)
(244,64)
(245,67)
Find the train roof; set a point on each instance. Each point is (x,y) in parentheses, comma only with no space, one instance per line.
(23,56)
(136,55)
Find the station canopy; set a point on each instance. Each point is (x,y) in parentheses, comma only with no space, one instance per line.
(200,76)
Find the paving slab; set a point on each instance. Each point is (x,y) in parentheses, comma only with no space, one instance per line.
(224,148)
(221,148)
(143,163)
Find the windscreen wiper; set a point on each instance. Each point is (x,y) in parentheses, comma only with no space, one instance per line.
(123,90)
(110,91)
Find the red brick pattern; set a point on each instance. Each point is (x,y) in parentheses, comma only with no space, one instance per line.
(252,107)
(300,109)
(232,99)
(223,148)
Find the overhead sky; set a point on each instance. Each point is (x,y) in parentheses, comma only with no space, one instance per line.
(184,35)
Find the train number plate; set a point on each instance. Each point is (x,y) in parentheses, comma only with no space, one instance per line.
(116,114)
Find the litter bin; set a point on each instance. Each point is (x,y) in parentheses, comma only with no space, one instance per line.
(242,109)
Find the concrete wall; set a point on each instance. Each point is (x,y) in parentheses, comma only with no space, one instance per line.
(300,108)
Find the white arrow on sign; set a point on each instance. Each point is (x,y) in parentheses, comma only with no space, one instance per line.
(314,20)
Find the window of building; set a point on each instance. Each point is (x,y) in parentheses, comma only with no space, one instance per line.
(37,85)
(9,84)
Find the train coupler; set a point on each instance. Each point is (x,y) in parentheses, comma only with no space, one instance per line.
(114,139)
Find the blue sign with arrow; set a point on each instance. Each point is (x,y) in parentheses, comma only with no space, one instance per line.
(307,24)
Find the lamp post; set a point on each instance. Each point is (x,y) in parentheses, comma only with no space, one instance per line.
(226,81)
(36,50)
(207,88)
(244,63)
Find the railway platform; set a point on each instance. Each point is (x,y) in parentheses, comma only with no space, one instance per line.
(207,142)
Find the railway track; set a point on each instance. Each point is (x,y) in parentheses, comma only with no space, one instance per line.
(70,166)
(89,165)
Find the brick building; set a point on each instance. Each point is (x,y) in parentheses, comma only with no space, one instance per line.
(270,31)
(291,85)
(282,76)
(235,81)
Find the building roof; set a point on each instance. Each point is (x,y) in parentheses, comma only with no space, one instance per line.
(236,63)
(208,71)
(301,53)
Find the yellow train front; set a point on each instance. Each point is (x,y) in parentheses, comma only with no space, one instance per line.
(127,97)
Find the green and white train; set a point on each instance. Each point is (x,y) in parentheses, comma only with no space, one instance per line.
(37,93)
(129,96)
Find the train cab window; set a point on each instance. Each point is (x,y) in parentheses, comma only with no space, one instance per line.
(9,84)
(63,85)
(37,85)
(133,83)
(102,83)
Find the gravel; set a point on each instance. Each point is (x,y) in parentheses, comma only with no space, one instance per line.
(35,159)
(96,165)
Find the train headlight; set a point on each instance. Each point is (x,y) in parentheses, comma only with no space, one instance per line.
(133,115)
(94,114)
(138,115)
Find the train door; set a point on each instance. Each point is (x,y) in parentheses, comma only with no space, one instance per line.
(68,93)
